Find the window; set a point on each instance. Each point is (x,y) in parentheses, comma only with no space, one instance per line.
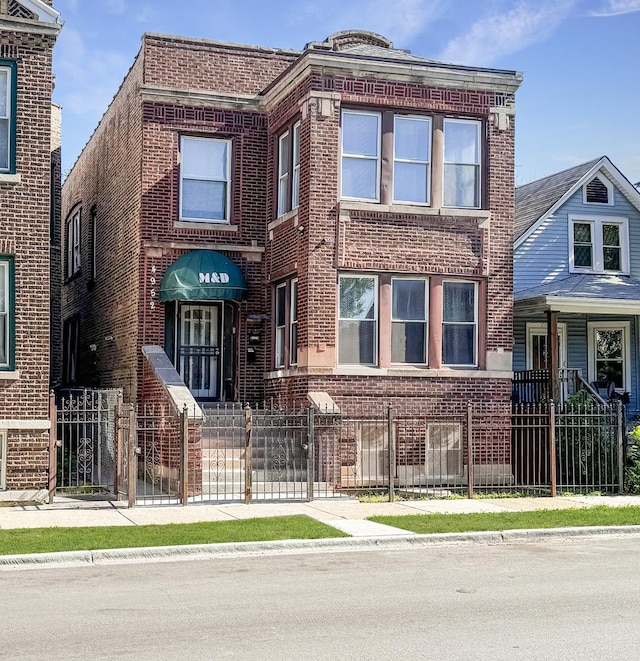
(609,352)
(399,169)
(361,155)
(93,226)
(289,169)
(357,322)
(7,116)
(70,350)
(72,239)
(205,179)
(411,159)
(598,191)
(459,323)
(3,460)
(6,313)
(409,311)
(598,244)
(461,163)
(286,324)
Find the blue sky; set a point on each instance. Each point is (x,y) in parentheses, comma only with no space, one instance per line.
(580,59)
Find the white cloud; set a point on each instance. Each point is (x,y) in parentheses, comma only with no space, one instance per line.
(507,32)
(617,7)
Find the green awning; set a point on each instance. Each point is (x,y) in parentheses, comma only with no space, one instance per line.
(203,275)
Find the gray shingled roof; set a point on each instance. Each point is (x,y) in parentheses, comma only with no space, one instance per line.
(534,199)
(582,286)
(368,50)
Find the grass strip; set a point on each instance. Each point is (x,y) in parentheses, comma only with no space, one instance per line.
(600,515)
(48,540)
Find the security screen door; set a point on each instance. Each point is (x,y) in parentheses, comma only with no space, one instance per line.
(199,349)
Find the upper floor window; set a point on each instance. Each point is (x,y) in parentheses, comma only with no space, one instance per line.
(459,323)
(461,186)
(387,157)
(205,179)
(361,155)
(6,312)
(7,116)
(598,191)
(598,244)
(289,169)
(72,242)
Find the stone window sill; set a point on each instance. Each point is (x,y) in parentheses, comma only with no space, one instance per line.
(6,178)
(9,375)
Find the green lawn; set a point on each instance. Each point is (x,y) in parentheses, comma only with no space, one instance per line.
(46,540)
(437,523)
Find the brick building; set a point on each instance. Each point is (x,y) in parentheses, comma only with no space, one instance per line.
(333,224)
(29,179)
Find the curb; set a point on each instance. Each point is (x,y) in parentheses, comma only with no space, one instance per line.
(290,547)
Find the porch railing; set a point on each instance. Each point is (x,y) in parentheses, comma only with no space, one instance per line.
(535,386)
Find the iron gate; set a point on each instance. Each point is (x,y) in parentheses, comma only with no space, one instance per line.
(86,440)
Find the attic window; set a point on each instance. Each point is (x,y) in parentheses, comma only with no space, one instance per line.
(18,11)
(598,191)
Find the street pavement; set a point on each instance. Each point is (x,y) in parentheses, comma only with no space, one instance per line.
(347,515)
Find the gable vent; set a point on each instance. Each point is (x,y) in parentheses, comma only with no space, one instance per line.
(597,192)
(16,9)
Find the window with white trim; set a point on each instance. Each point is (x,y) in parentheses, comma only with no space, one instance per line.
(72,241)
(7,115)
(3,460)
(459,323)
(609,353)
(411,159)
(409,314)
(598,244)
(461,185)
(361,133)
(6,313)
(289,170)
(286,324)
(358,320)
(205,179)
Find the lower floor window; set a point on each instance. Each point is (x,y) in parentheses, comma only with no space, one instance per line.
(6,312)
(70,350)
(459,323)
(286,326)
(357,320)
(609,353)
(3,460)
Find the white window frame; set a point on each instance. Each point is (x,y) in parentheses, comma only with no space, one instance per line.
(3,460)
(424,321)
(280,325)
(374,321)
(596,223)
(427,162)
(283,173)
(227,204)
(295,182)
(477,164)
(377,158)
(609,186)
(6,314)
(293,322)
(73,243)
(474,323)
(625,327)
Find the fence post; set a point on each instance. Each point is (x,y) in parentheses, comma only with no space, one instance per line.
(392,453)
(53,447)
(132,458)
(184,456)
(552,447)
(621,437)
(310,452)
(470,475)
(247,455)
(118,429)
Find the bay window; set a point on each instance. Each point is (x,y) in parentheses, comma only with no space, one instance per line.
(205,179)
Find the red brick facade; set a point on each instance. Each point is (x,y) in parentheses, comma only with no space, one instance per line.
(130,175)
(29,179)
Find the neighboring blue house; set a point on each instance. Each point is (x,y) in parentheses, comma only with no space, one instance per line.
(577,280)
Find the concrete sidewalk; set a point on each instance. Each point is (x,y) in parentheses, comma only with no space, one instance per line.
(345,514)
